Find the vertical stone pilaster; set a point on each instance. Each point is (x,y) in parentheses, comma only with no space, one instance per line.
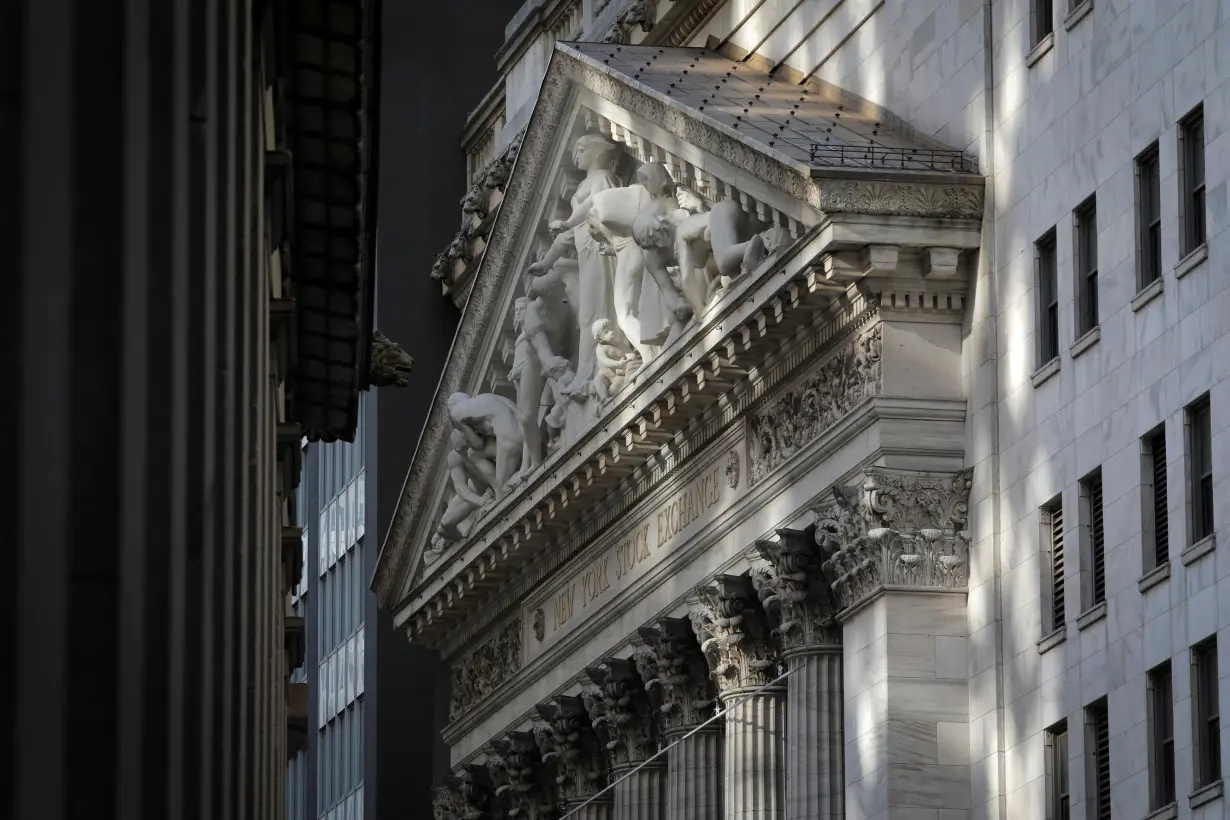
(597,810)
(735,637)
(641,794)
(694,782)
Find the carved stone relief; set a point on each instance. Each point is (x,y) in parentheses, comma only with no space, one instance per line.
(391,366)
(803,412)
(901,528)
(642,13)
(482,672)
(521,777)
(631,729)
(734,634)
(569,742)
(680,677)
(795,592)
(466,795)
(901,199)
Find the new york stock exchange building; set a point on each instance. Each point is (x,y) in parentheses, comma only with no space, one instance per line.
(701,520)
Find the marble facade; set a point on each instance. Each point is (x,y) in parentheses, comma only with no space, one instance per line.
(735,510)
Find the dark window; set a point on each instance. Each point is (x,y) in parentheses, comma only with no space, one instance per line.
(1149,216)
(1052,523)
(1191,131)
(1048,298)
(1057,762)
(1097,744)
(1207,713)
(1161,737)
(1155,504)
(1043,20)
(1086,222)
(1094,532)
(1200,454)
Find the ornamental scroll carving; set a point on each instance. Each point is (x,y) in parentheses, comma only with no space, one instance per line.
(901,528)
(795,592)
(569,742)
(632,734)
(679,676)
(486,669)
(734,634)
(901,199)
(519,776)
(802,413)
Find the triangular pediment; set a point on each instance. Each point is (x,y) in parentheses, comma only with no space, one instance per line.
(764,163)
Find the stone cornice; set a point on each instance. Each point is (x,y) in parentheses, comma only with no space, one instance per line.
(900,529)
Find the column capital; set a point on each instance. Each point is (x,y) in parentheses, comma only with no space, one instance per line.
(569,740)
(734,633)
(680,677)
(632,734)
(465,795)
(788,576)
(519,772)
(900,529)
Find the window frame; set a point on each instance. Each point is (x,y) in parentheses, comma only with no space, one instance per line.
(1085,250)
(1163,783)
(1154,506)
(1041,16)
(1193,214)
(1046,281)
(1058,772)
(1148,171)
(1097,730)
(1092,539)
(1054,582)
(1206,711)
(1198,418)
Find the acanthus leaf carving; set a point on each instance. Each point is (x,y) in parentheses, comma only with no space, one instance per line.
(800,414)
(445,803)
(796,591)
(734,634)
(901,199)
(681,678)
(631,730)
(486,668)
(474,792)
(570,743)
(517,767)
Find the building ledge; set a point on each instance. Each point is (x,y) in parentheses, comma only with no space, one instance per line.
(1091,338)
(1148,293)
(1091,616)
(1192,261)
(1039,51)
(1077,14)
(1044,373)
(1205,794)
(1053,640)
(1199,549)
(1154,577)
(1164,813)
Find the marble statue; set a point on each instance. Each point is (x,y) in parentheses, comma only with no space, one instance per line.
(615,360)
(471,476)
(530,382)
(595,155)
(491,427)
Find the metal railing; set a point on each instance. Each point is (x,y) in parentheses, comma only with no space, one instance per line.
(879,156)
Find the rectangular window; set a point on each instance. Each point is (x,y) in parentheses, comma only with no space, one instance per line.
(1207,713)
(1043,22)
(1161,737)
(1097,746)
(1052,532)
(1057,772)
(1085,222)
(1048,298)
(1200,468)
(1191,178)
(1093,565)
(1154,506)
(1148,217)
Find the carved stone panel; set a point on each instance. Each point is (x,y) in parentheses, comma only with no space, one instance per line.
(486,668)
(800,414)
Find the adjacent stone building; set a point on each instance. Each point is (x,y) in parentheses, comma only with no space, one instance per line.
(837,421)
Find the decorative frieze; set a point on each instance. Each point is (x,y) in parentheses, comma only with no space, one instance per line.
(901,528)
(901,199)
(681,676)
(519,775)
(803,412)
(485,669)
(795,593)
(734,634)
(569,741)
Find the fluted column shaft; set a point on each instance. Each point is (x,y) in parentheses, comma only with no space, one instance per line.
(640,794)
(694,774)
(600,809)
(815,752)
(755,752)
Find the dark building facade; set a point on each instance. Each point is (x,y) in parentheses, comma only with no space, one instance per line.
(374,700)
(189,219)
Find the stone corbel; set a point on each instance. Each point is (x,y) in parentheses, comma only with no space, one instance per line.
(880,260)
(939,263)
(631,730)
(519,775)
(569,742)
(681,679)
(901,529)
(797,591)
(734,634)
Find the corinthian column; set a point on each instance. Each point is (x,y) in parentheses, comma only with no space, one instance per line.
(522,777)
(734,636)
(896,554)
(569,741)
(677,679)
(631,739)
(798,599)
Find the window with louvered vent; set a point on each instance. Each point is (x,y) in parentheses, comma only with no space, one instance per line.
(1200,466)
(1097,743)
(1093,571)
(1207,713)
(1052,531)
(1057,807)
(1161,737)
(1155,502)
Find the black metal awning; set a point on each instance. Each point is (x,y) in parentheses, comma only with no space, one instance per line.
(332,99)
